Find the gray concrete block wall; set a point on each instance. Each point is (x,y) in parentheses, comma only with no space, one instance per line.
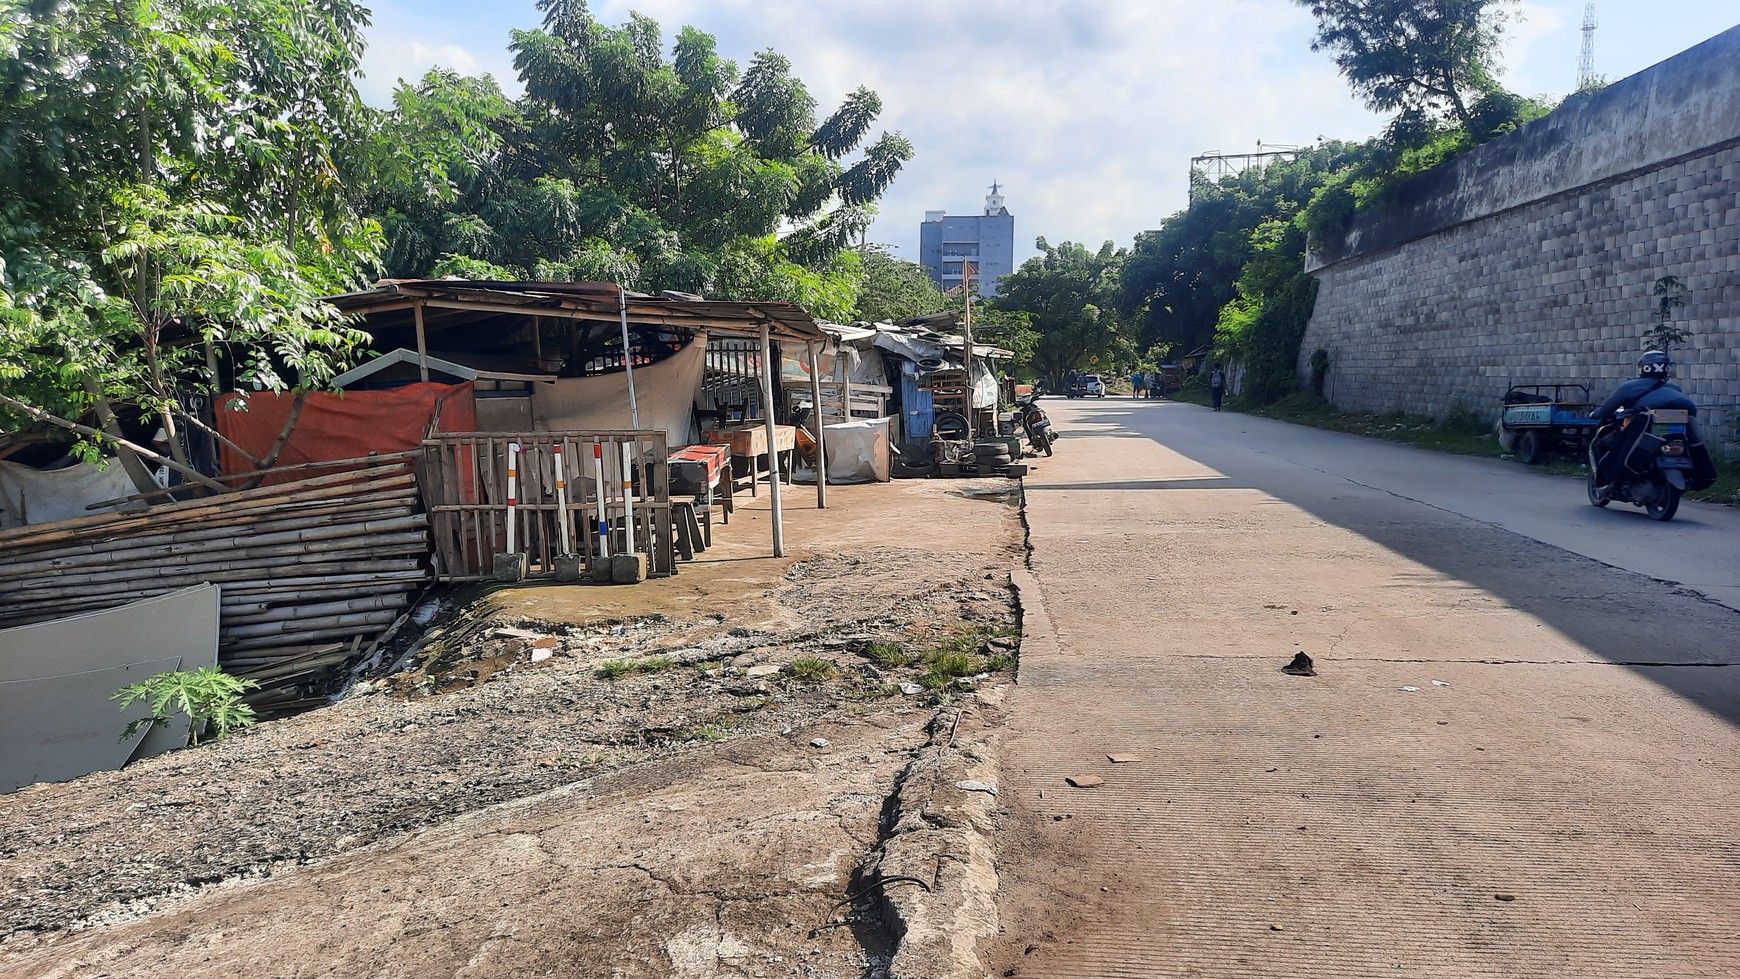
(1560,290)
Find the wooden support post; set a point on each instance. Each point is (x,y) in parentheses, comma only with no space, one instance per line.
(767,369)
(422,344)
(821,424)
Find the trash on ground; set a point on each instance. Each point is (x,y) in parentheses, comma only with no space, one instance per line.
(1409,689)
(1300,666)
(1123,759)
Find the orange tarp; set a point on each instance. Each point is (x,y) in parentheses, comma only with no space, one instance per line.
(342,425)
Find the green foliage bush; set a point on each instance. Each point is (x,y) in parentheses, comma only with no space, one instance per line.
(208,695)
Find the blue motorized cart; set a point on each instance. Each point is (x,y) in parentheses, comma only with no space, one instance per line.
(1541,419)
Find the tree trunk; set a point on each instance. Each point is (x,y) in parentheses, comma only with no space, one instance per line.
(135,468)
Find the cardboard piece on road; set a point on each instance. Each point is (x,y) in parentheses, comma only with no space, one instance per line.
(1085,781)
(42,724)
(1123,759)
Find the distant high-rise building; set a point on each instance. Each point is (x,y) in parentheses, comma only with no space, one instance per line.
(987,240)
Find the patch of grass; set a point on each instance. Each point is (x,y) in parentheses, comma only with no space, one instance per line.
(749,705)
(616,669)
(890,654)
(999,663)
(880,691)
(700,732)
(1726,488)
(812,668)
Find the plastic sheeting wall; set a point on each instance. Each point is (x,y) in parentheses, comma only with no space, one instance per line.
(34,496)
(665,392)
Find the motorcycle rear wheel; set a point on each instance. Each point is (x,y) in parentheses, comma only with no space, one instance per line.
(1046,443)
(1665,510)
(1595,498)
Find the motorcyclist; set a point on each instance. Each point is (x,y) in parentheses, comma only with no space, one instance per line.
(1650,389)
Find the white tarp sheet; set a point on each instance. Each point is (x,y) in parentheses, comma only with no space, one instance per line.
(56,719)
(33,496)
(858,451)
(665,393)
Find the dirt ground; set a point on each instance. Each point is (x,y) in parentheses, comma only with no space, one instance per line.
(711,752)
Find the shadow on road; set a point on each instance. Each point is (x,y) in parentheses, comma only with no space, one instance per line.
(1669,633)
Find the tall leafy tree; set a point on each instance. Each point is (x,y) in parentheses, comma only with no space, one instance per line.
(175,177)
(676,171)
(895,289)
(1425,55)
(1071,298)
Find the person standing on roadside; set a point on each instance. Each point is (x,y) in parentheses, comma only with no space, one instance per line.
(1216,385)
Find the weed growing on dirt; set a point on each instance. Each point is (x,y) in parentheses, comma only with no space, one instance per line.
(749,705)
(889,654)
(812,668)
(941,668)
(999,663)
(208,695)
(700,732)
(616,669)
(880,691)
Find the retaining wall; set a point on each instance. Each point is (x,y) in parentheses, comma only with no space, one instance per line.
(1533,258)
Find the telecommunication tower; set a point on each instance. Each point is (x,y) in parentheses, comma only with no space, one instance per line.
(1586,62)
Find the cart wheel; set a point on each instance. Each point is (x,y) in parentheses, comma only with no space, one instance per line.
(1531,447)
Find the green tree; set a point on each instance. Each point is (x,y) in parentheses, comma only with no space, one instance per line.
(895,289)
(1070,296)
(175,178)
(1179,278)
(621,163)
(1409,54)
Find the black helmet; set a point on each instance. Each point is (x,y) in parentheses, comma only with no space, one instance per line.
(1655,364)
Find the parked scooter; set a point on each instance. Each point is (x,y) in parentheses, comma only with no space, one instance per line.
(1034,423)
(1658,466)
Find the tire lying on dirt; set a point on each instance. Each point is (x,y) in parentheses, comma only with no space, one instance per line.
(913,469)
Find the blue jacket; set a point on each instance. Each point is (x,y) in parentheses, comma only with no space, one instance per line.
(1645,392)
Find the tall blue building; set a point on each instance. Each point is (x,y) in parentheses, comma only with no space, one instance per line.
(987,240)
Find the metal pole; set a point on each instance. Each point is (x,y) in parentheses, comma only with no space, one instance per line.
(628,359)
(772,442)
(967,271)
(821,423)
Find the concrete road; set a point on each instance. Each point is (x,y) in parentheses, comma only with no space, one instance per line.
(1519,757)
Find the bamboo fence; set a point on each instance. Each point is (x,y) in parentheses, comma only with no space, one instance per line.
(309,570)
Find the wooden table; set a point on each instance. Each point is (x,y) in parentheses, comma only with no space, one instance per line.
(750,442)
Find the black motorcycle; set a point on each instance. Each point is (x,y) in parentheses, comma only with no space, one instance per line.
(1034,423)
(1659,462)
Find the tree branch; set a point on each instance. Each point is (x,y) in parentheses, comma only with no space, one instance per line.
(43,416)
(271,458)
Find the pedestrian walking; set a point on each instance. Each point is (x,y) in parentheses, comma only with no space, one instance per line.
(1216,385)
(1136,384)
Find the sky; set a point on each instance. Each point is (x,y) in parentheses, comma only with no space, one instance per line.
(1086,111)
